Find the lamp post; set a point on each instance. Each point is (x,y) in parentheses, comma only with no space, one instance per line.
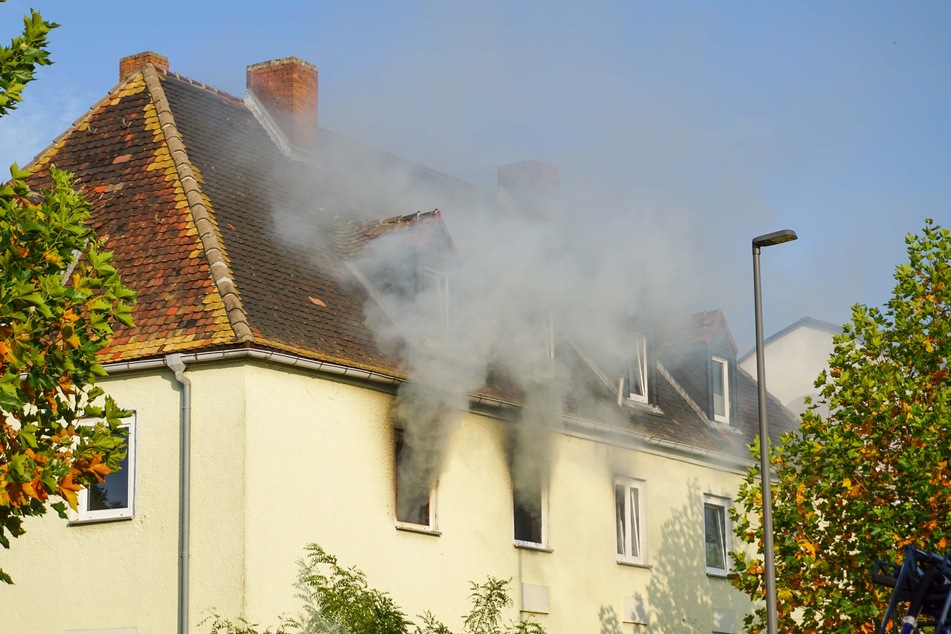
(769,567)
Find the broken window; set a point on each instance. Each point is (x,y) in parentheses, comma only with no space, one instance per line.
(628,520)
(529,505)
(413,490)
(637,369)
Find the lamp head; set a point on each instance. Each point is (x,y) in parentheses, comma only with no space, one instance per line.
(776,237)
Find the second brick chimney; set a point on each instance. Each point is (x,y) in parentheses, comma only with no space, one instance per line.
(134,63)
(286,89)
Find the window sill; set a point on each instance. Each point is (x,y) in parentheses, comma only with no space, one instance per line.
(718,574)
(532,546)
(633,564)
(98,520)
(724,426)
(417,528)
(644,406)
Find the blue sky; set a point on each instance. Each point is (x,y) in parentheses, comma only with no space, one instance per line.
(706,123)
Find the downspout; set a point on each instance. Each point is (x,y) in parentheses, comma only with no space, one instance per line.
(177,365)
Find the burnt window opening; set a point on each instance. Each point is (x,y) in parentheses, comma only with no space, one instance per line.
(413,492)
(528,514)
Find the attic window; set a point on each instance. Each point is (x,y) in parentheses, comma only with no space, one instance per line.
(637,369)
(545,368)
(436,284)
(720,375)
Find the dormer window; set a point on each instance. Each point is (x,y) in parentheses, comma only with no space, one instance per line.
(637,369)
(544,366)
(435,283)
(720,375)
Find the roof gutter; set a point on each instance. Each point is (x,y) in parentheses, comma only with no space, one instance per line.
(475,400)
(620,433)
(256,354)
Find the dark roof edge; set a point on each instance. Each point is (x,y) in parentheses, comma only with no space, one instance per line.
(220,271)
(569,422)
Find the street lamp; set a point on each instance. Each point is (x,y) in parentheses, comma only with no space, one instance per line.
(769,567)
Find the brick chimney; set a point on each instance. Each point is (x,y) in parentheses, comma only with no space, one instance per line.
(286,89)
(533,185)
(134,63)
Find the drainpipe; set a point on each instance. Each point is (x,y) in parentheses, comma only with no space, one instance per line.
(177,365)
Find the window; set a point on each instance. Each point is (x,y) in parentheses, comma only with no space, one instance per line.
(715,535)
(637,369)
(414,495)
(628,520)
(545,340)
(436,284)
(529,510)
(721,390)
(112,499)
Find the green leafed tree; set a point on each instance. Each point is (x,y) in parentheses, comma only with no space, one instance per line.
(60,298)
(339,600)
(872,476)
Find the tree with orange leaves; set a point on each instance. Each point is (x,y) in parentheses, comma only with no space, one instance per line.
(874,474)
(59,300)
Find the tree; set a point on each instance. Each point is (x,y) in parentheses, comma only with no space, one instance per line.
(59,300)
(338,600)
(872,476)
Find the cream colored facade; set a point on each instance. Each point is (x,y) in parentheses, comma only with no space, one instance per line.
(282,457)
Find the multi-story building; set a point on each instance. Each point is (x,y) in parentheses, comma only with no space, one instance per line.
(302,371)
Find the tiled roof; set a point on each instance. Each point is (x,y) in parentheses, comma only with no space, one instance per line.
(120,159)
(229,242)
(281,292)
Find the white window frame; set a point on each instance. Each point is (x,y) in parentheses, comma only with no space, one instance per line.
(634,526)
(546,368)
(128,512)
(438,281)
(637,377)
(430,527)
(723,504)
(543,518)
(724,370)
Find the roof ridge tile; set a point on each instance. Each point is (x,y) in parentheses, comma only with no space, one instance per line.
(195,83)
(214,253)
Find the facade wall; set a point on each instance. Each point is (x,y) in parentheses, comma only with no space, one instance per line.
(282,458)
(114,574)
(338,490)
(793,362)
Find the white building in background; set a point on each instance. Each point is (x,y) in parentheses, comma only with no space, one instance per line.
(252,365)
(794,358)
